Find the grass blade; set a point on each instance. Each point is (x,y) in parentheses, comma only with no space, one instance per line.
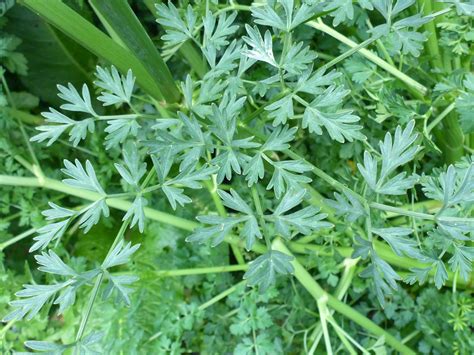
(122,24)
(86,34)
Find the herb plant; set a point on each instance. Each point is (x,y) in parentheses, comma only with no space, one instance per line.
(290,176)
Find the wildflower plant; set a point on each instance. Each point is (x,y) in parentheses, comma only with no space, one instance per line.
(275,134)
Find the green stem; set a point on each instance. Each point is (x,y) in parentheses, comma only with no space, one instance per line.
(17,238)
(417,89)
(261,219)
(341,290)
(440,117)
(319,294)
(90,304)
(222,212)
(384,251)
(382,47)
(432,42)
(420,215)
(220,296)
(348,53)
(330,180)
(200,271)
(188,225)
(451,138)
(343,336)
(401,211)
(6,327)
(97,284)
(116,203)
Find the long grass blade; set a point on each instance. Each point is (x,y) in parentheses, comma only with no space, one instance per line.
(86,34)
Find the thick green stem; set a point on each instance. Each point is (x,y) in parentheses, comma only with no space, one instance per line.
(6,327)
(348,53)
(184,224)
(440,117)
(319,294)
(432,42)
(451,137)
(119,204)
(384,251)
(401,211)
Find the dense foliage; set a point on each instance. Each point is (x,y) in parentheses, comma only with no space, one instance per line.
(290,176)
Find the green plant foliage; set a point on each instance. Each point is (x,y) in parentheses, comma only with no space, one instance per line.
(288,177)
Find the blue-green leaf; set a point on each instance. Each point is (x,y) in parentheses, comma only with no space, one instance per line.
(80,178)
(118,88)
(51,263)
(261,48)
(134,169)
(76,102)
(396,238)
(263,270)
(136,213)
(120,254)
(119,285)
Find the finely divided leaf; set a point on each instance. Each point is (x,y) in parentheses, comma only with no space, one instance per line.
(80,178)
(303,221)
(288,174)
(48,233)
(221,226)
(347,205)
(263,270)
(134,169)
(119,129)
(33,298)
(51,263)
(118,88)
(177,29)
(119,284)
(395,152)
(261,48)
(340,124)
(76,103)
(136,213)
(90,215)
(120,254)
(58,124)
(400,244)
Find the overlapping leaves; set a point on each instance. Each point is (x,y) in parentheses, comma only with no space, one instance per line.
(303,221)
